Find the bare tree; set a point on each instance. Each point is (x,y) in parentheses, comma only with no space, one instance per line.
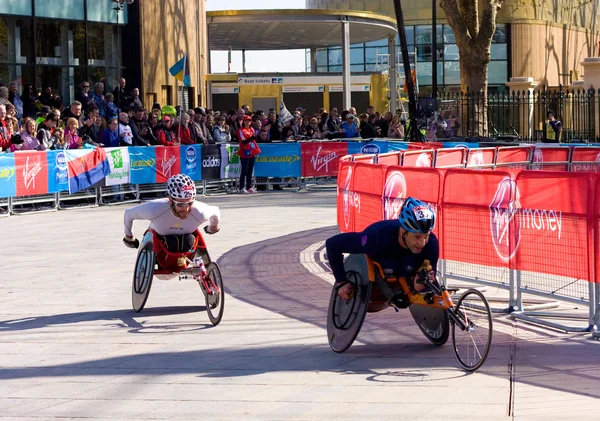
(473,37)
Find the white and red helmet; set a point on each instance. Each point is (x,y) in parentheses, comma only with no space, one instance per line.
(181,186)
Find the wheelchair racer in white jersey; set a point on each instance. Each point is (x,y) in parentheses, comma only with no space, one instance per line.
(175,218)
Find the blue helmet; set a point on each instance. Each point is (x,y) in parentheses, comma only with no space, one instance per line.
(416,216)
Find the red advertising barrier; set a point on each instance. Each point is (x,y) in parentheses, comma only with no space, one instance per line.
(31,173)
(482,158)
(478,210)
(366,194)
(550,229)
(321,159)
(551,158)
(422,158)
(424,145)
(514,157)
(585,158)
(450,158)
(390,158)
(597,227)
(345,202)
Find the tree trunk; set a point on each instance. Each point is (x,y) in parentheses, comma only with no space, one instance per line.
(473,38)
(473,81)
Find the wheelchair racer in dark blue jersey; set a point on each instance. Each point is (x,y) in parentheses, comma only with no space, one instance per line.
(400,246)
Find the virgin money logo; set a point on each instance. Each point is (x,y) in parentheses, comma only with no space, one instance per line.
(394,193)
(319,162)
(167,164)
(30,173)
(504,219)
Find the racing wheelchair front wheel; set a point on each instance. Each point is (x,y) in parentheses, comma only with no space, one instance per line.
(471,329)
(345,318)
(142,276)
(215,296)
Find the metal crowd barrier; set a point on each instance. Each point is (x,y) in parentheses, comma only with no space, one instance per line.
(155,190)
(4,207)
(34,203)
(120,193)
(86,198)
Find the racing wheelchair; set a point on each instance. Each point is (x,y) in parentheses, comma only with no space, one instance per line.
(433,310)
(154,259)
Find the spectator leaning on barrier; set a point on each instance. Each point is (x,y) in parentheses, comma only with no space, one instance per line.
(350,127)
(28,134)
(135,122)
(142,127)
(164,132)
(4,135)
(396,129)
(333,124)
(110,135)
(221,132)
(15,99)
(367,131)
(72,138)
(44,132)
(553,129)
(125,134)
(248,149)
(183,130)
(88,130)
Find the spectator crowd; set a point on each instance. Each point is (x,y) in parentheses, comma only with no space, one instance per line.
(29,121)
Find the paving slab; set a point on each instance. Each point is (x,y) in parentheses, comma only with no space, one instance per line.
(72,347)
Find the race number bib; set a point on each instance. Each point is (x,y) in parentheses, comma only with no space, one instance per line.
(422,212)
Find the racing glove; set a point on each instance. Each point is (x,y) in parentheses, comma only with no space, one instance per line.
(132,244)
(211,232)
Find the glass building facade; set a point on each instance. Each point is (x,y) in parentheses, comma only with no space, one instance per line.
(60,43)
(373,56)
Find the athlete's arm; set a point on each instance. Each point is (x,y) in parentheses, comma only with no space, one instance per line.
(147,211)
(204,212)
(351,242)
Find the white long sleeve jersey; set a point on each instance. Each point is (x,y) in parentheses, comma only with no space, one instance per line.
(164,222)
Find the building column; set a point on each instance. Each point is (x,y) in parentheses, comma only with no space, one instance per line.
(313,60)
(243,61)
(346,76)
(393,80)
(526,86)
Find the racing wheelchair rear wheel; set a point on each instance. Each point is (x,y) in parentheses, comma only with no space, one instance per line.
(345,318)
(142,276)
(433,322)
(215,298)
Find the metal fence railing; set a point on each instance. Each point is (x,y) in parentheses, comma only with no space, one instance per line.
(519,115)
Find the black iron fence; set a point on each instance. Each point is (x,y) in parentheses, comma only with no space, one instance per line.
(519,115)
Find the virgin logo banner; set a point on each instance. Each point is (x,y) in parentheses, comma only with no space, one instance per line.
(506,219)
(31,173)
(321,159)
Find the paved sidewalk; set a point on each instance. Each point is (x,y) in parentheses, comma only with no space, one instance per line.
(71,346)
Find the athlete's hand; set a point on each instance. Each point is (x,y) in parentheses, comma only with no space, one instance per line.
(347,291)
(211,229)
(131,242)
